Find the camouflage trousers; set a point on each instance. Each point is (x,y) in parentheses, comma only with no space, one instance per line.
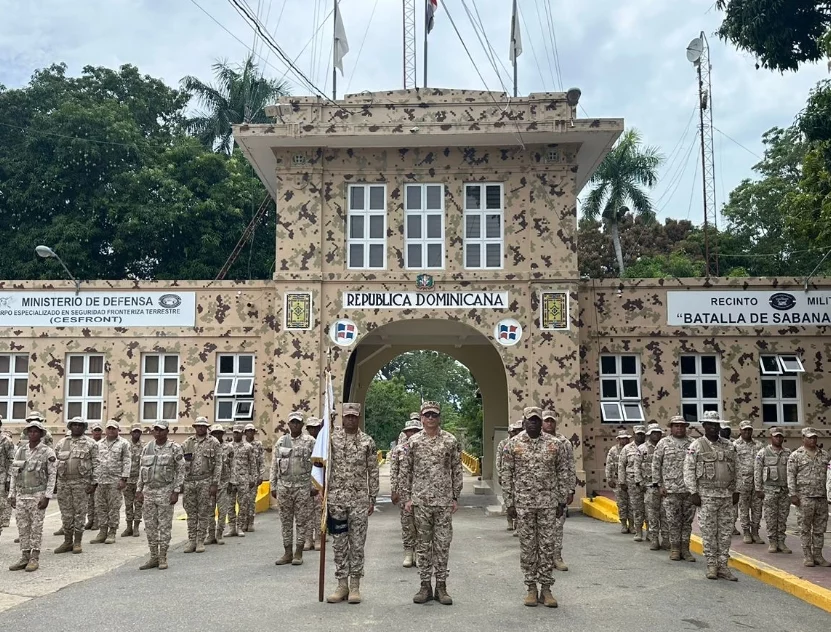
(5,512)
(536,544)
(715,517)
(313,528)
(238,506)
(408,528)
(295,507)
(218,516)
(252,505)
(623,507)
(72,501)
(750,511)
(814,523)
(132,507)
(108,505)
(777,506)
(91,508)
(637,508)
(199,506)
(559,524)
(656,515)
(680,514)
(349,546)
(158,516)
(30,521)
(434,526)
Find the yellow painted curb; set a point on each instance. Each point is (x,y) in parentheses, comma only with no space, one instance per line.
(263,502)
(605,509)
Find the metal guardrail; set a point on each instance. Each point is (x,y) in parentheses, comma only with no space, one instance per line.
(471,463)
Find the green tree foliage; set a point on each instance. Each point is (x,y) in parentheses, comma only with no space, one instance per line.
(782,34)
(387,408)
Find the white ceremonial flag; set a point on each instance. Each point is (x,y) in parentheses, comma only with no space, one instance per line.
(516,35)
(320,454)
(341,46)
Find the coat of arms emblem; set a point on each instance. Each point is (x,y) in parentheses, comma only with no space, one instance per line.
(424,282)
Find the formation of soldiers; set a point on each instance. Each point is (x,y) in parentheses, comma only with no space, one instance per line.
(664,480)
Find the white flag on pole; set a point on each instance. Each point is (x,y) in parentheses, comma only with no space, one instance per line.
(516,35)
(341,46)
(320,454)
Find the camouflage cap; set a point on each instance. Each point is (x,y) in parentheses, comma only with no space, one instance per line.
(516,425)
(35,415)
(776,431)
(623,435)
(639,429)
(314,422)
(351,408)
(430,406)
(250,427)
(96,425)
(711,416)
(201,421)
(161,424)
(296,416)
(415,415)
(549,414)
(723,423)
(413,424)
(238,428)
(678,419)
(112,423)
(76,420)
(217,428)
(34,423)
(135,427)
(746,424)
(531,411)
(809,432)
(654,428)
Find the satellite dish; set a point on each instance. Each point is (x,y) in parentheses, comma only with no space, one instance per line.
(695,49)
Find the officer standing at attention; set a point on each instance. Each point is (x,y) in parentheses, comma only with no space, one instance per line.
(77,473)
(668,474)
(549,426)
(807,472)
(353,489)
(621,495)
(227,483)
(291,482)
(203,468)
(653,503)
(114,462)
(630,477)
(408,530)
(34,473)
(770,477)
(750,506)
(710,476)
(431,476)
(132,508)
(160,482)
(514,428)
(245,467)
(260,474)
(313,426)
(7,448)
(96,429)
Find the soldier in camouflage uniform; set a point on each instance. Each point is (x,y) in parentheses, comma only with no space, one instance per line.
(245,473)
(114,469)
(668,474)
(77,474)
(161,478)
(203,468)
(630,477)
(535,472)
(653,502)
(431,482)
(514,429)
(6,458)
(750,506)
(227,483)
(710,469)
(291,484)
(96,430)
(621,495)
(132,508)
(408,529)
(33,477)
(807,472)
(549,426)
(770,478)
(353,489)
(313,426)
(259,455)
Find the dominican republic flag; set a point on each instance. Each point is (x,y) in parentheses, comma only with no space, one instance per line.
(345,331)
(432,7)
(507,332)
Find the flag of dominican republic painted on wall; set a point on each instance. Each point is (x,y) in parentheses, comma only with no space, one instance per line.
(508,332)
(432,7)
(345,331)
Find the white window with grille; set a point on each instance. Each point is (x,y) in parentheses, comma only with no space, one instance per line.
(85,386)
(234,387)
(620,389)
(484,226)
(160,387)
(424,226)
(700,386)
(366,242)
(14,386)
(781,388)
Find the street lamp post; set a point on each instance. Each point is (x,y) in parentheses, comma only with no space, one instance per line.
(47,253)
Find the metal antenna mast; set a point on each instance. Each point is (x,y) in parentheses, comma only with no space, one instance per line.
(698,52)
(409,44)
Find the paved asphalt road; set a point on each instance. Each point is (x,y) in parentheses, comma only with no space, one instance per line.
(613,584)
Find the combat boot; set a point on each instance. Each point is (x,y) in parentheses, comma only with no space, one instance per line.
(546,598)
(685,553)
(162,558)
(510,525)
(297,560)
(354,590)
(200,544)
(211,539)
(724,573)
(735,530)
(100,538)
(783,548)
(219,539)
(638,535)
(441,594)
(66,547)
(341,592)
(821,561)
(20,564)
(287,557)
(665,546)
(240,531)
(624,527)
(757,539)
(807,557)
(33,564)
(110,536)
(675,554)
(531,597)
(408,558)
(424,594)
(190,547)
(309,545)
(232,531)
(560,565)
(76,545)
(747,538)
(128,532)
(153,562)
(772,548)
(712,571)
(88,525)
(59,532)
(654,545)
(136,524)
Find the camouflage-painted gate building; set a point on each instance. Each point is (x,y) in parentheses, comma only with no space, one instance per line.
(441,220)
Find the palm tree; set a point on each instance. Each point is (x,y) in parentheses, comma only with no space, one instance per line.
(239,96)
(619,180)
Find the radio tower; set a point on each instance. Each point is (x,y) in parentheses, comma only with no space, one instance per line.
(698,52)
(409,44)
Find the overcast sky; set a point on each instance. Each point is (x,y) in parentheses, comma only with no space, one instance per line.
(628,58)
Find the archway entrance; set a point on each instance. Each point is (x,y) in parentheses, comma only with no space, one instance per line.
(453,338)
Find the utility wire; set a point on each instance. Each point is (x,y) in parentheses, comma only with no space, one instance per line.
(545,43)
(730,138)
(484,46)
(692,190)
(679,179)
(508,73)
(533,50)
(360,49)
(679,169)
(553,34)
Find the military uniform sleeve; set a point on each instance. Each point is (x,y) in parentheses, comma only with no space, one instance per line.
(734,483)
(793,466)
(637,458)
(572,466)
(372,471)
(140,482)
(8,448)
(622,458)
(218,459)
(96,461)
(51,472)
(456,470)
(658,465)
(275,464)
(499,449)
(611,466)
(758,465)
(232,466)
(828,482)
(394,456)
(562,472)
(179,468)
(508,473)
(126,461)
(405,473)
(690,479)
(261,473)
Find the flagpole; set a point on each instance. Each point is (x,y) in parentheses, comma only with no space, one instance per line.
(425,43)
(334,68)
(327,406)
(513,44)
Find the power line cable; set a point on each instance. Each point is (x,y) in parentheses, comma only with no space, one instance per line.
(692,190)
(360,48)
(678,180)
(484,46)
(730,138)
(508,73)
(533,50)
(553,35)
(545,43)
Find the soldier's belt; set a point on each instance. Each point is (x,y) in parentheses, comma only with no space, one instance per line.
(30,490)
(196,478)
